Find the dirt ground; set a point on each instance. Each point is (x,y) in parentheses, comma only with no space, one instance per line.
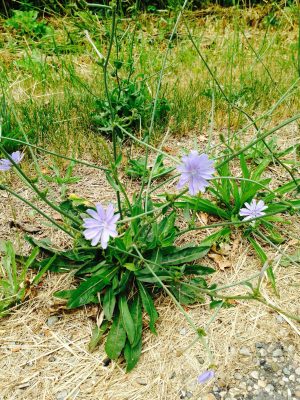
(43,346)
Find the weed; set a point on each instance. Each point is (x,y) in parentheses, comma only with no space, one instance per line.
(26,23)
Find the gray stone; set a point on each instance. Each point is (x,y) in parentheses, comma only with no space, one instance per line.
(183,331)
(269,388)
(254,375)
(244,351)
(62,395)
(263,352)
(200,360)
(292,378)
(261,383)
(189,395)
(291,348)
(52,320)
(277,353)
(286,371)
(238,376)
(297,371)
(210,396)
(141,381)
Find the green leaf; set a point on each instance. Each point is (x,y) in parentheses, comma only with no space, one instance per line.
(42,271)
(189,293)
(86,291)
(215,237)
(263,257)
(179,256)
(116,338)
(259,251)
(132,354)
(148,306)
(137,316)
(109,302)
(97,334)
(198,270)
(123,281)
(131,267)
(127,319)
(244,167)
(63,294)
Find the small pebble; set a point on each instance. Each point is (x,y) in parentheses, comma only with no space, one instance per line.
(52,320)
(280,319)
(62,395)
(261,383)
(210,396)
(254,375)
(259,345)
(200,360)
(183,331)
(292,378)
(277,353)
(238,376)
(297,394)
(141,381)
(286,371)
(291,348)
(189,395)
(244,351)
(297,371)
(269,388)
(262,352)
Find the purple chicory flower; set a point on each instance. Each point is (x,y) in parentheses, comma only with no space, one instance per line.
(101,226)
(206,376)
(5,164)
(195,170)
(253,210)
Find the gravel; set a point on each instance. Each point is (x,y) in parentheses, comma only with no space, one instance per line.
(275,375)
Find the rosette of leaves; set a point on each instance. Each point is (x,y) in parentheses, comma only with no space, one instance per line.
(126,277)
(132,105)
(26,23)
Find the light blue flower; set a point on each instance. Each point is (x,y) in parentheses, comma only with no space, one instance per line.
(253,210)
(195,171)
(206,376)
(101,226)
(5,164)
